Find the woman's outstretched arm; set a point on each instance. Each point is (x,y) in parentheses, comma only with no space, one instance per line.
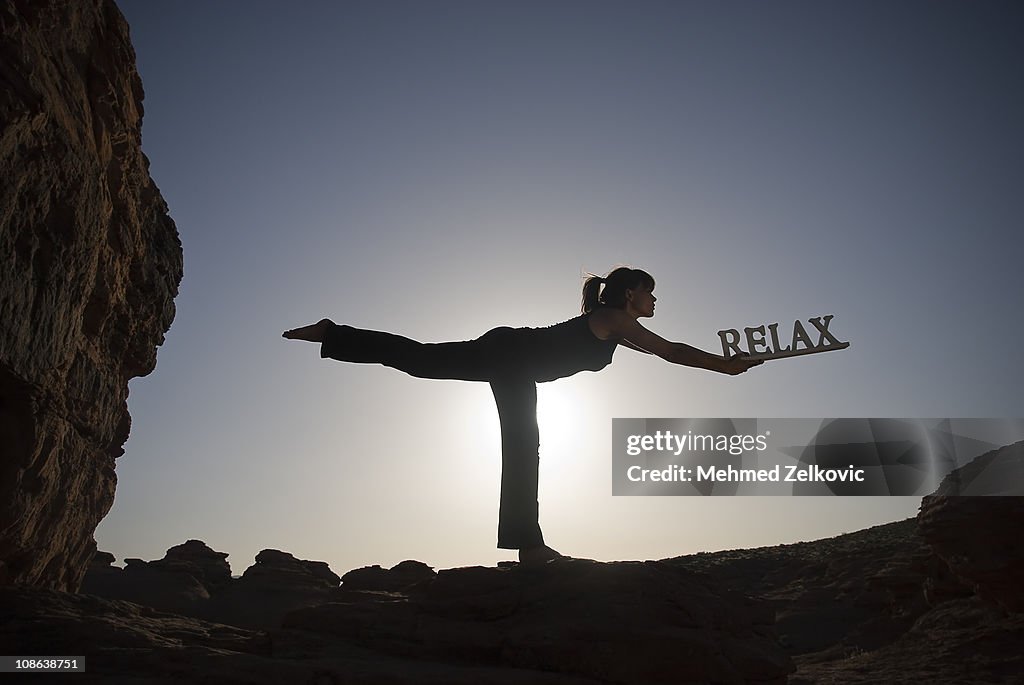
(691,356)
(630,330)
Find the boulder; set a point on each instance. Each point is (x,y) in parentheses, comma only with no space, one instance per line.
(275,570)
(399,577)
(204,564)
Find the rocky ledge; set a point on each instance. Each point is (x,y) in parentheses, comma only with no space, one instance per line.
(573,621)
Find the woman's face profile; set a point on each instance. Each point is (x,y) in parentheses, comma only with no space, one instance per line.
(640,301)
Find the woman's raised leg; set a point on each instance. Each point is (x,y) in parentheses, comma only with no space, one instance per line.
(469,360)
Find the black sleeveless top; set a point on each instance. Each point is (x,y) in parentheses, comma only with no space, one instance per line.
(565,348)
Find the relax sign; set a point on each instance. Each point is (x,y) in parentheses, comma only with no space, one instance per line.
(763,341)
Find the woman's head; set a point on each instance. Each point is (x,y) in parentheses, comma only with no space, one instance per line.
(616,283)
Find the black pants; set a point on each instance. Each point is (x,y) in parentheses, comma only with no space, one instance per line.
(496,357)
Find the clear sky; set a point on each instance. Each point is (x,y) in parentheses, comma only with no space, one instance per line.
(436,169)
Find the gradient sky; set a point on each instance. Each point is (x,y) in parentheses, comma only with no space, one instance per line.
(436,169)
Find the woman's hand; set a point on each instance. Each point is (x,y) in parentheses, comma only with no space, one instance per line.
(739,364)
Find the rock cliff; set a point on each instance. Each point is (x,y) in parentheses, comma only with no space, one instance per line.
(91,266)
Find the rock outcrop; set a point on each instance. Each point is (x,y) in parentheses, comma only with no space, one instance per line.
(567,622)
(194,580)
(275,569)
(92,263)
(194,557)
(976,528)
(273,586)
(932,599)
(181,582)
(875,606)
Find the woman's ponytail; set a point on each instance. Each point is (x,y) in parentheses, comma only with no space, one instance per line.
(592,293)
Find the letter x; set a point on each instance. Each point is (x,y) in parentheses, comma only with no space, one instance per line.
(823,329)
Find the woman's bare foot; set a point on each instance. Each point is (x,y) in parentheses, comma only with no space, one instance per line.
(316,332)
(538,555)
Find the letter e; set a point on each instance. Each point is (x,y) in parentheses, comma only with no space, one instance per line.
(753,342)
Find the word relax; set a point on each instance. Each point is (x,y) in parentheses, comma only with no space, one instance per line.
(758,344)
(777,474)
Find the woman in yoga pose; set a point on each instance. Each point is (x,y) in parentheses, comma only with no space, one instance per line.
(513,361)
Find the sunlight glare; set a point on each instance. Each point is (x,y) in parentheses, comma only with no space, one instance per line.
(560,417)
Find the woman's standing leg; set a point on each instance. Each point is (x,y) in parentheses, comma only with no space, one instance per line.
(518,511)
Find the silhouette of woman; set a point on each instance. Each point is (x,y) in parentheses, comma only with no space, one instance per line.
(513,361)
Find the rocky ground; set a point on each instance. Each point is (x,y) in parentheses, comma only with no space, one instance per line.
(573,621)
(875,606)
(935,599)
(872,606)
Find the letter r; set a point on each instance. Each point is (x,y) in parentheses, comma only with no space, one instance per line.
(733,344)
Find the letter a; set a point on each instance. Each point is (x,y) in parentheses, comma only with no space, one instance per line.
(800,335)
